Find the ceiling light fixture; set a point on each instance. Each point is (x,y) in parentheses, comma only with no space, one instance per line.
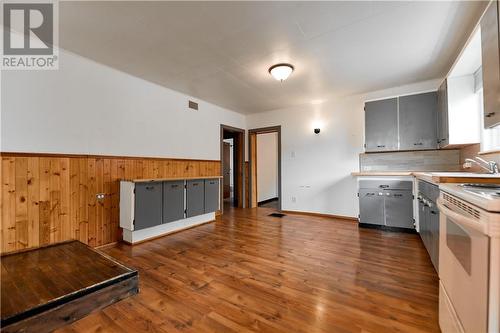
(281,71)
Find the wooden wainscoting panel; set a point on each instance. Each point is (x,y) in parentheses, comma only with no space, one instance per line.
(50,198)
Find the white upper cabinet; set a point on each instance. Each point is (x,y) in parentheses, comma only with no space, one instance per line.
(460,98)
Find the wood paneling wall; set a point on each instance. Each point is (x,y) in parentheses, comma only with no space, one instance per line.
(52,198)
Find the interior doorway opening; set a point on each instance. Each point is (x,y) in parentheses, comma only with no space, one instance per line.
(232,166)
(264,146)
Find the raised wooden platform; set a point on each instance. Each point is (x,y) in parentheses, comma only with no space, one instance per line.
(46,288)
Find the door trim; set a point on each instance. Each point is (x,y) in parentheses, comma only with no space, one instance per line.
(252,162)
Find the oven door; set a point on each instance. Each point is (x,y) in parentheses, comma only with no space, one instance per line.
(463,268)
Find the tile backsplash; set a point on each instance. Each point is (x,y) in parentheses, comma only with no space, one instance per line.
(425,160)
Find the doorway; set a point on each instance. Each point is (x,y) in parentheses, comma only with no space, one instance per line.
(232,156)
(264,157)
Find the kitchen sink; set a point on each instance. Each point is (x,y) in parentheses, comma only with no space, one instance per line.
(491,190)
(482,186)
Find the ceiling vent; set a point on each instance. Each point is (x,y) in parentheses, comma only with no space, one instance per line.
(193,105)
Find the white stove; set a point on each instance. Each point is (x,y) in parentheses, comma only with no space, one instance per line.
(469,258)
(485,196)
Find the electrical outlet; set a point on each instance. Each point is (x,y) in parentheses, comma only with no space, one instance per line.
(100,196)
(294,199)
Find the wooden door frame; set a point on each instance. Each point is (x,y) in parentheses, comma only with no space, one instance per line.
(239,168)
(252,162)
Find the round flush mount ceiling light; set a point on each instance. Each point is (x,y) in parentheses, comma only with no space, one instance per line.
(281,71)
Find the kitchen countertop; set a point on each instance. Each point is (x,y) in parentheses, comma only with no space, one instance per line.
(437,177)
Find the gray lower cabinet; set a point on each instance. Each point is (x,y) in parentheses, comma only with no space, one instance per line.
(211,195)
(417,121)
(428,217)
(490,44)
(399,208)
(195,197)
(173,201)
(386,203)
(371,206)
(148,205)
(381,125)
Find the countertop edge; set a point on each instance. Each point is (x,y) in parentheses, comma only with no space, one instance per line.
(168,179)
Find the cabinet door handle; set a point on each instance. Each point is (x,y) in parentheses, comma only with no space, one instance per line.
(383,186)
(489,114)
(195,184)
(398,195)
(174,186)
(418,144)
(380,146)
(150,188)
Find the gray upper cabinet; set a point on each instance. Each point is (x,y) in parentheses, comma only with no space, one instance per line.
(195,197)
(211,195)
(173,201)
(417,121)
(443,133)
(381,125)
(490,41)
(148,205)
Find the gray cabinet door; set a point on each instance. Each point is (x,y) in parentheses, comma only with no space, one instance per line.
(195,197)
(443,136)
(381,125)
(491,65)
(423,225)
(398,208)
(417,121)
(211,195)
(148,205)
(434,231)
(173,201)
(371,206)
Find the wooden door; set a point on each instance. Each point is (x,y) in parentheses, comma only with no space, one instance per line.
(226,169)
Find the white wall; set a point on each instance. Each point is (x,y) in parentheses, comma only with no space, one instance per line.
(267,166)
(316,168)
(88,108)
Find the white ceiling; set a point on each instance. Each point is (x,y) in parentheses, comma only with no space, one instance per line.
(220,51)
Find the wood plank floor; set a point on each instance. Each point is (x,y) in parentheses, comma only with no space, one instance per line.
(249,272)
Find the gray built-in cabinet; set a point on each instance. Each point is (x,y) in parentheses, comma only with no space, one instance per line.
(211,195)
(173,201)
(160,202)
(490,43)
(386,203)
(148,205)
(381,125)
(417,121)
(195,197)
(428,218)
(401,123)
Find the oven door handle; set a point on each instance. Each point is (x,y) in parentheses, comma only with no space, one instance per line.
(461,219)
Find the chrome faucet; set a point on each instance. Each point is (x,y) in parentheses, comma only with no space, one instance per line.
(490,166)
